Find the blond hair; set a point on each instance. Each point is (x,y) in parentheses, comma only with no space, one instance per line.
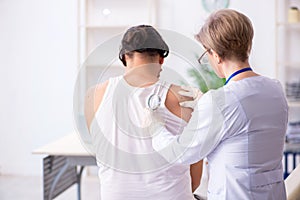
(229,33)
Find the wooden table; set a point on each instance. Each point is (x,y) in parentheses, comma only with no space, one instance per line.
(63,165)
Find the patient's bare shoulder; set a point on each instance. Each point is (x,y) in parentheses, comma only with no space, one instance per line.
(93,99)
(172,103)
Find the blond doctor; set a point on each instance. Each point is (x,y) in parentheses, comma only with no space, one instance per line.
(240,127)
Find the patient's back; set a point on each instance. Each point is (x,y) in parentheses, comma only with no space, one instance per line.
(129,167)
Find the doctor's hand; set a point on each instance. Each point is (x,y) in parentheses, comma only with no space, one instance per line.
(192,92)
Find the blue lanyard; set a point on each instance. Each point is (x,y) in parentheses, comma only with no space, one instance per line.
(237,72)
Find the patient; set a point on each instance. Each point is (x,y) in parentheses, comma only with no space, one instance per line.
(117,111)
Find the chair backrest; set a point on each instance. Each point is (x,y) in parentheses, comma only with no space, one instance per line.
(292,184)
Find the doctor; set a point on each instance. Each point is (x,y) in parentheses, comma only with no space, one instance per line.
(240,127)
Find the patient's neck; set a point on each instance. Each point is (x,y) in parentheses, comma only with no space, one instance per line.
(142,75)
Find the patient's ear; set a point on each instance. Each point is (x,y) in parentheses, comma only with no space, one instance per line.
(161,60)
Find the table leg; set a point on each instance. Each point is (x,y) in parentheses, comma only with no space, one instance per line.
(61,172)
(79,182)
(286,165)
(294,160)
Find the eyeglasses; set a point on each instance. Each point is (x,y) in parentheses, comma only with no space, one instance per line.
(203,58)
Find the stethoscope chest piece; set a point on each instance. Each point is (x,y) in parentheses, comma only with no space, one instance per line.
(154,102)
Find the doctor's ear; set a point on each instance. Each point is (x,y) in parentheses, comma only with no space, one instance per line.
(216,57)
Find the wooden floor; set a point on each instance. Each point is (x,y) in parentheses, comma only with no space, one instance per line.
(31,188)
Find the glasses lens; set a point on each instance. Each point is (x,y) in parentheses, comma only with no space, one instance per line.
(204,59)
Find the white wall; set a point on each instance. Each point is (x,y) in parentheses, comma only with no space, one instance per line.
(38,67)
(38,51)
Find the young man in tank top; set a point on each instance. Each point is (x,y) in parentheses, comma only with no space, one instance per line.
(142,53)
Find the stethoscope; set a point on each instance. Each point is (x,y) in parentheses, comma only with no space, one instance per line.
(154,100)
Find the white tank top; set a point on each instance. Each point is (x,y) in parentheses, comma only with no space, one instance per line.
(129,168)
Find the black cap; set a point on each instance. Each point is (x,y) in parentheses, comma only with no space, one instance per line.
(142,38)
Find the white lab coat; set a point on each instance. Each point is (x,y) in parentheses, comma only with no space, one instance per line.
(241,129)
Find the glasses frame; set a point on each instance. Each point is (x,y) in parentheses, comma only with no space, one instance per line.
(203,54)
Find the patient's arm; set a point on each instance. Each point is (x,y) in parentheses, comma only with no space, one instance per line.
(172,103)
(93,99)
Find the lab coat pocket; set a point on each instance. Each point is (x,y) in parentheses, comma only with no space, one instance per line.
(268,185)
(266,178)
